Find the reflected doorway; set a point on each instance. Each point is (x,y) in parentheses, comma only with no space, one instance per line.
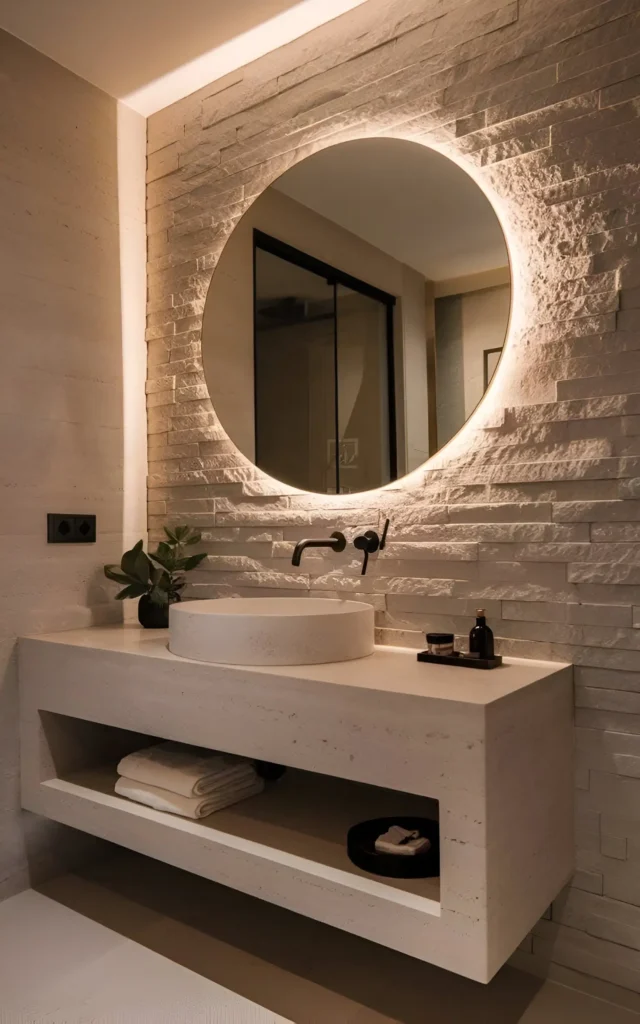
(324,388)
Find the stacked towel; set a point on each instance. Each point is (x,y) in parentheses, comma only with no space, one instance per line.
(186,780)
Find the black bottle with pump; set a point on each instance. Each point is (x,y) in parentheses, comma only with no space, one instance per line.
(481,638)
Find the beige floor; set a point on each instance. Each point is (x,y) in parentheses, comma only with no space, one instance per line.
(132,941)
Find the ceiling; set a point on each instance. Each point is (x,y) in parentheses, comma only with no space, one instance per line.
(405,199)
(125,47)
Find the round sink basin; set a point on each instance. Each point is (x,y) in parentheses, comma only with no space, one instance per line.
(271,630)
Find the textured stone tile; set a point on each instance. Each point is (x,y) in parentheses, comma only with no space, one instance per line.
(604,679)
(597,511)
(627,764)
(588,881)
(620,92)
(593,387)
(603,573)
(608,700)
(433,550)
(507,512)
(577,614)
(613,657)
(615,532)
(589,954)
(498,533)
(535,552)
(599,916)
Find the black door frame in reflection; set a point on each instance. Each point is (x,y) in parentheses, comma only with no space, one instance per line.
(334,277)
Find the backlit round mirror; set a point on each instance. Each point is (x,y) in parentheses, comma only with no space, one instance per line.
(357,315)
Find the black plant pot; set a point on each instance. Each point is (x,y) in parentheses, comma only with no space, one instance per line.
(154,616)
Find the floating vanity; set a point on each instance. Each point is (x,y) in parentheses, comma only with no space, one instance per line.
(489,753)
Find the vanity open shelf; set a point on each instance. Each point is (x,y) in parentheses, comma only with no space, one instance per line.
(491,757)
(298,823)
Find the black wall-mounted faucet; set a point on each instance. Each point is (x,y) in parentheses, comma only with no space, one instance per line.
(337,542)
(370,542)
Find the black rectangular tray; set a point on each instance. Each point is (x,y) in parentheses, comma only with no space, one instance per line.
(460,660)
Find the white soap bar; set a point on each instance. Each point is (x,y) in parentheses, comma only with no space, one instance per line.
(402,842)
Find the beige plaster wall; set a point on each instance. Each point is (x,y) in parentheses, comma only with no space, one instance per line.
(60,390)
(534,511)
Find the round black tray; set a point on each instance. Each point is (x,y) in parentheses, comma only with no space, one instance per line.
(361,848)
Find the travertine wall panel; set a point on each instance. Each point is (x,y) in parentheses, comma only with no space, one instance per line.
(60,391)
(534,510)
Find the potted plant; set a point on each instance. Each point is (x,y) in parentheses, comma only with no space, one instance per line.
(157,578)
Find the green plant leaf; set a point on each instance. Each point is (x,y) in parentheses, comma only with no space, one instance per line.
(166,559)
(181,532)
(164,581)
(128,562)
(156,575)
(193,561)
(142,567)
(159,596)
(194,538)
(112,573)
(134,590)
(171,535)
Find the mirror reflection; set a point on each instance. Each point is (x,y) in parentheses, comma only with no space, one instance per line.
(357,315)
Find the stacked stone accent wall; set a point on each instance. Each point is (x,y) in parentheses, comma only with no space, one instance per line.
(534,510)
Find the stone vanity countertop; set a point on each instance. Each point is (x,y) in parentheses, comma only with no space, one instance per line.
(389,669)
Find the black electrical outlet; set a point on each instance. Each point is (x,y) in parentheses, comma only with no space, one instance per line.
(70,529)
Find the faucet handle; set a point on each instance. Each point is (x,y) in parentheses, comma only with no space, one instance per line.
(383,539)
(369,542)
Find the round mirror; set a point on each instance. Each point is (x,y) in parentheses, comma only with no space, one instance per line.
(357,315)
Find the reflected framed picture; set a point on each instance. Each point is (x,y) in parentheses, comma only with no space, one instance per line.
(348,452)
(491,360)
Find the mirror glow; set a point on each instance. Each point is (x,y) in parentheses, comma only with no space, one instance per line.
(357,315)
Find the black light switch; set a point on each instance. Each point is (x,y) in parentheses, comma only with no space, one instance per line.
(70,529)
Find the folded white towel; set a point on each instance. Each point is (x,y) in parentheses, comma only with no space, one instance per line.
(187,807)
(187,771)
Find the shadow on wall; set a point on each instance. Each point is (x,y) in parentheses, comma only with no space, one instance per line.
(291,965)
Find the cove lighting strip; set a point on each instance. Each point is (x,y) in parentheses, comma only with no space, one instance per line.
(236,53)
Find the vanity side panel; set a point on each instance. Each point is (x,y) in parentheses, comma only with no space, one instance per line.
(530,796)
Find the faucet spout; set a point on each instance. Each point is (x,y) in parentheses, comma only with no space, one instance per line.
(337,542)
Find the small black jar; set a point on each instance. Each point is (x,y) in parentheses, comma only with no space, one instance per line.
(441,644)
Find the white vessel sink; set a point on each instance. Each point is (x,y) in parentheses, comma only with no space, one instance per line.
(271,630)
